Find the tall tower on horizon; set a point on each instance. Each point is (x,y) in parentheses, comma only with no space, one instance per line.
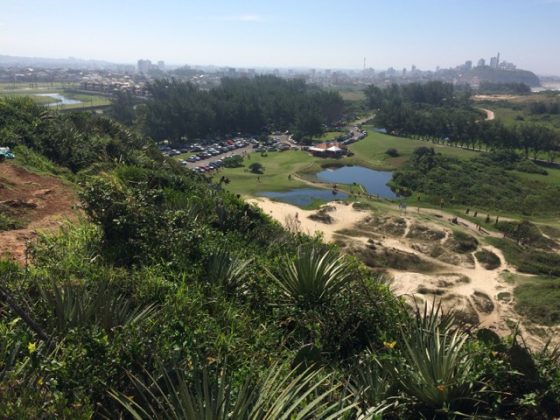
(498,60)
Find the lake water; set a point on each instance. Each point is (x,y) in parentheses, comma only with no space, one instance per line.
(60,99)
(375,182)
(303,197)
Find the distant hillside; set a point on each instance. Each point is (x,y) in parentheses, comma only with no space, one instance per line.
(488,74)
(70,62)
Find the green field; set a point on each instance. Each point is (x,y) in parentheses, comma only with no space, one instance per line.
(277,167)
(87,101)
(371,150)
(33,90)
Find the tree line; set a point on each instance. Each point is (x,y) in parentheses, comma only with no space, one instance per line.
(180,110)
(493,87)
(433,112)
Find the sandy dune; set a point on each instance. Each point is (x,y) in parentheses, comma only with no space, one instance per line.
(344,216)
(466,287)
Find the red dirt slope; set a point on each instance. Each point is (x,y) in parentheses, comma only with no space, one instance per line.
(42,202)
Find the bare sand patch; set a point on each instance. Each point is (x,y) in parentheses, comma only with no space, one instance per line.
(342,216)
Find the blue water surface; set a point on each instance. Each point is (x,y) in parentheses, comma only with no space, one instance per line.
(375,182)
(303,197)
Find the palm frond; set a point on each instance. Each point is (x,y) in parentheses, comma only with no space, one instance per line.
(297,395)
(78,305)
(227,270)
(313,277)
(437,369)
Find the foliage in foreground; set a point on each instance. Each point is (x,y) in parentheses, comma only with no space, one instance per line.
(172,284)
(279,395)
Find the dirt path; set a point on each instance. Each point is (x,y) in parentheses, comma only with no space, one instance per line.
(41,202)
(489,114)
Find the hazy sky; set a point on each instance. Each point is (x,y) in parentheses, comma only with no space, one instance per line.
(286,33)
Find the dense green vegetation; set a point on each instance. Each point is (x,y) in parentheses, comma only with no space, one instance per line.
(481,182)
(514,88)
(178,110)
(487,74)
(488,259)
(174,298)
(73,140)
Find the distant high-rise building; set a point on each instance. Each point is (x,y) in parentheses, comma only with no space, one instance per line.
(144,66)
(468,65)
(498,60)
(481,62)
(161,65)
(494,62)
(507,66)
(413,68)
(404,71)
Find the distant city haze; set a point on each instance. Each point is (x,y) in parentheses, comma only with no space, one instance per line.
(289,33)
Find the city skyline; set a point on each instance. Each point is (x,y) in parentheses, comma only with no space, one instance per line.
(252,34)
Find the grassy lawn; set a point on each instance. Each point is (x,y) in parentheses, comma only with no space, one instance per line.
(86,101)
(553,176)
(31,88)
(36,89)
(42,100)
(537,298)
(371,150)
(277,167)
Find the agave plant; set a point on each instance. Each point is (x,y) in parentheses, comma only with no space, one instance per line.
(437,369)
(314,277)
(227,270)
(77,305)
(308,394)
(370,386)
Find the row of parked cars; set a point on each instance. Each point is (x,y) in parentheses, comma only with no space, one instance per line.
(206,152)
(212,166)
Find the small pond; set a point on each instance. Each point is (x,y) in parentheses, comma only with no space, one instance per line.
(303,197)
(375,182)
(60,99)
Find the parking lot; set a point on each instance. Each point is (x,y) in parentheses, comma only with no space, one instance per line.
(209,157)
